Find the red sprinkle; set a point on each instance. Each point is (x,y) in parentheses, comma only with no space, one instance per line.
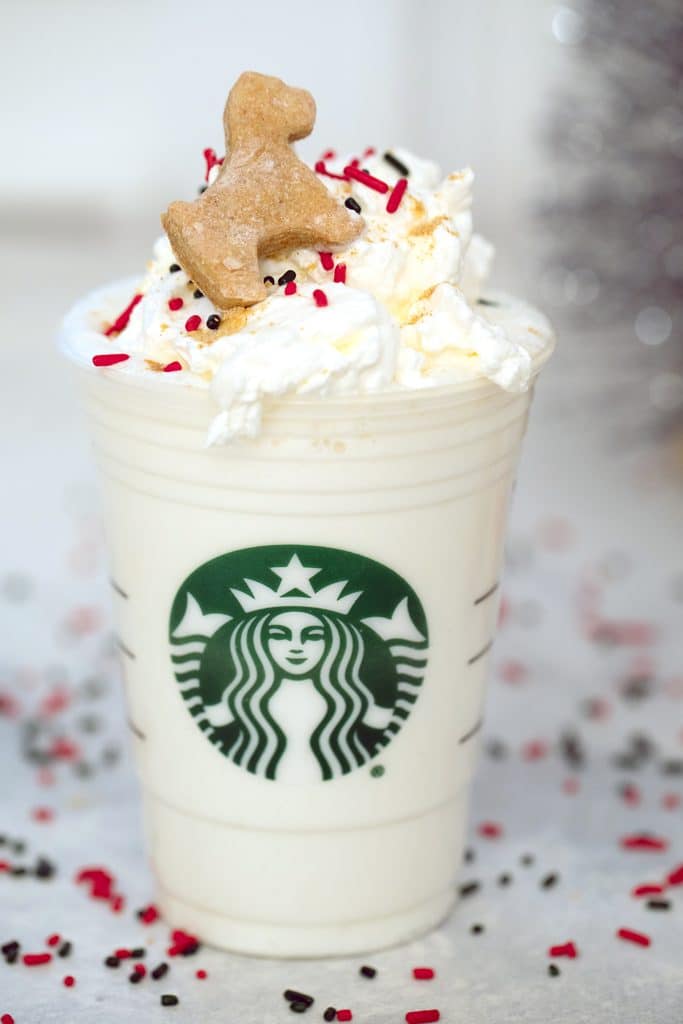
(110,359)
(366,179)
(36,959)
(370,151)
(344,1015)
(64,750)
(422,1016)
(7,1018)
(630,936)
(175,303)
(675,877)
(564,949)
(321,169)
(117,903)
(641,842)
(181,941)
(149,914)
(320,297)
(5,865)
(397,193)
(647,889)
(326,260)
(140,969)
(423,973)
(122,954)
(670,801)
(490,830)
(192,322)
(53,940)
(201,974)
(571,786)
(122,319)
(329,154)
(340,273)
(69,981)
(290,288)
(42,814)
(173,367)
(211,161)
(630,794)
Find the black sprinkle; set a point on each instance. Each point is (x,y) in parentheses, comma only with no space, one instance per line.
(11,958)
(553,970)
(572,750)
(11,951)
(550,880)
(637,688)
(477,929)
(330,1013)
(352,204)
(18,846)
(269,279)
(469,888)
(397,164)
(298,1007)
(642,745)
(627,762)
(213,322)
(112,961)
(138,953)
(202,189)
(159,971)
(293,996)
(44,868)
(169,1000)
(658,905)
(496,749)
(19,872)
(469,855)
(65,949)
(89,723)
(368,972)
(191,949)
(135,977)
(289,275)
(3,840)
(174,268)
(487,302)
(111,754)
(527,859)
(672,766)
(505,879)
(198,294)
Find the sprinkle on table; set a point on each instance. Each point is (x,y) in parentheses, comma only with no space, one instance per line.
(201,974)
(397,193)
(69,981)
(7,1018)
(644,842)
(363,178)
(490,830)
(568,949)
(110,358)
(675,877)
(423,973)
(53,940)
(647,889)
(368,972)
(330,1013)
(175,303)
(422,1016)
(340,274)
(36,959)
(169,1000)
(320,297)
(638,938)
(122,319)
(159,971)
(344,1015)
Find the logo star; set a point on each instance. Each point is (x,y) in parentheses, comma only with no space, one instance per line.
(294,576)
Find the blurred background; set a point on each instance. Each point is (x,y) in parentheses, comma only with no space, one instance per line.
(570,115)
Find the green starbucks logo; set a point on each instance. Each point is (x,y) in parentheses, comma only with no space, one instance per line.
(298,663)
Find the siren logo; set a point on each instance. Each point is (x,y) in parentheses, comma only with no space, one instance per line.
(298,663)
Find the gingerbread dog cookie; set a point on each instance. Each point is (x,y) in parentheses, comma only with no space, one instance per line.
(264,200)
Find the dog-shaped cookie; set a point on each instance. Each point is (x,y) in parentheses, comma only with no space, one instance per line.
(264,201)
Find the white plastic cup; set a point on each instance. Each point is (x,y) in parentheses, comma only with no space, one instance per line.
(406,494)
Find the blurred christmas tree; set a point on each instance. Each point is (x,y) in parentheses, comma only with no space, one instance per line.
(615,212)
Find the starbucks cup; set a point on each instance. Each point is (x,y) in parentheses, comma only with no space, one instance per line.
(305,621)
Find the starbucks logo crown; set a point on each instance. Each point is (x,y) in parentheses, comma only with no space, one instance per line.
(295,590)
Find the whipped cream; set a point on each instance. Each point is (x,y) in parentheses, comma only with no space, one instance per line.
(401,307)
